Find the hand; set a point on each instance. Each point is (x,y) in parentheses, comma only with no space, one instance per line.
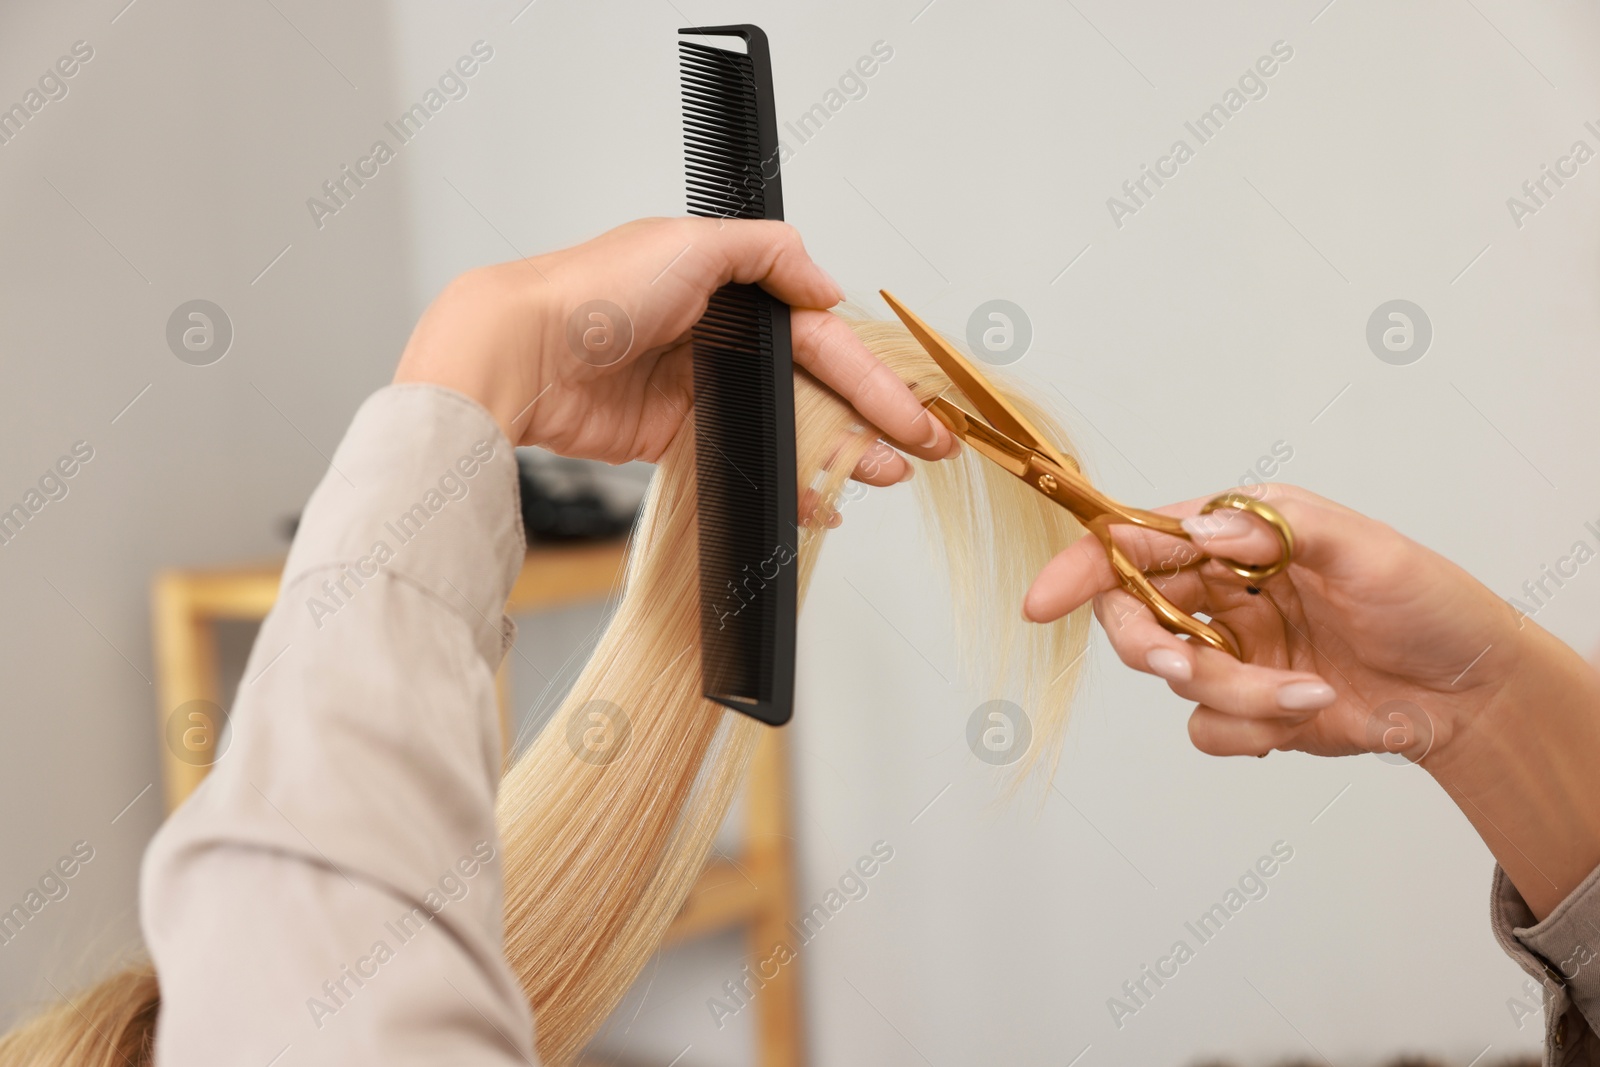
(1367,642)
(1363,617)
(512,337)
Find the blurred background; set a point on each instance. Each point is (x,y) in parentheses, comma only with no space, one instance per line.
(1232,315)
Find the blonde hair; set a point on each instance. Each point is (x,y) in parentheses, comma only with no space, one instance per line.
(600,850)
(110,1024)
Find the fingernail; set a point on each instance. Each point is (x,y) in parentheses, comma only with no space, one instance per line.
(837,288)
(1169,664)
(1305,696)
(933,433)
(907,474)
(955,447)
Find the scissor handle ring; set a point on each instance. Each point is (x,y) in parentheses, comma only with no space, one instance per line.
(1266,513)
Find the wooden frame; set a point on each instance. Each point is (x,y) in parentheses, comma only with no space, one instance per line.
(753,892)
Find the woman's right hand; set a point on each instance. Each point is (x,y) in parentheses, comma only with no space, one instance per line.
(1367,642)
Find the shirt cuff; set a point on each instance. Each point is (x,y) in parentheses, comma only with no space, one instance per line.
(423,488)
(1559,954)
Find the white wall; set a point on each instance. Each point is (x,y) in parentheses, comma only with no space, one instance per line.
(176,167)
(1220,319)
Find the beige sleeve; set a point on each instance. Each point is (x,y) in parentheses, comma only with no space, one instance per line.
(332,892)
(1561,955)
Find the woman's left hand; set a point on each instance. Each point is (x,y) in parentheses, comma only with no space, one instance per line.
(587,351)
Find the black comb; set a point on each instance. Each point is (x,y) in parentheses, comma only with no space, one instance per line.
(743,390)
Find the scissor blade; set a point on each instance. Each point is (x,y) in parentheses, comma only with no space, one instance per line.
(981,436)
(990,404)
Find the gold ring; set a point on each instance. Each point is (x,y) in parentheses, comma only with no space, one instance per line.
(1269,515)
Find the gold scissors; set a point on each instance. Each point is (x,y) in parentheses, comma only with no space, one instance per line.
(1009,440)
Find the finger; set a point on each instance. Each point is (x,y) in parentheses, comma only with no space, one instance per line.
(1217,734)
(1231,533)
(1251,691)
(829,349)
(1139,640)
(663,272)
(766,253)
(1081,572)
(1202,674)
(1327,538)
(882,465)
(1138,637)
(1071,579)
(818,511)
(879,464)
(699,255)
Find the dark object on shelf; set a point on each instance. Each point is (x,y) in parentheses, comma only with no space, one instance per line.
(562,503)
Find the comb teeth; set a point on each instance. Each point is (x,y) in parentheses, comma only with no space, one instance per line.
(743,393)
(742,551)
(722,134)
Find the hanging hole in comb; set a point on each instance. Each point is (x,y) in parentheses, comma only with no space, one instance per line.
(726,42)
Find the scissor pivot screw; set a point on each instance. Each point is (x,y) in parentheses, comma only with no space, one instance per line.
(1047,482)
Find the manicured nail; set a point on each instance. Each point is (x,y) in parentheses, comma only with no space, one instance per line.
(933,432)
(955,447)
(1306,696)
(907,474)
(1171,665)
